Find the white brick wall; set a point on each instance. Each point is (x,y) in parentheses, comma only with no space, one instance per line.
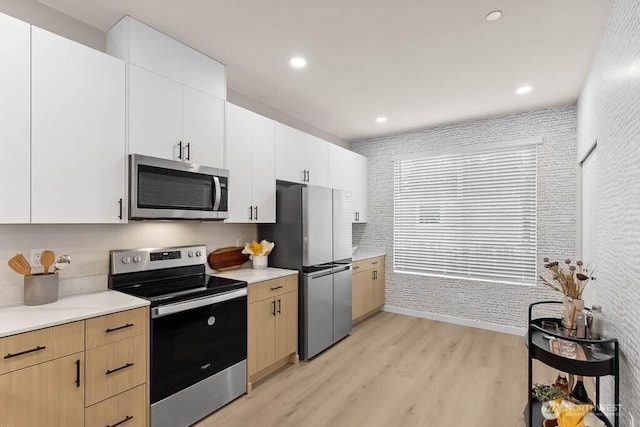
(609,111)
(478,301)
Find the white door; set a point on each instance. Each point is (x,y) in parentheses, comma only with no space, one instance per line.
(203,128)
(155,115)
(340,168)
(264,172)
(290,154)
(15,120)
(78,132)
(360,188)
(589,209)
(239,161)
(317,161)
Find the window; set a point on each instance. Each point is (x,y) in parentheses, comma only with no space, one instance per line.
(468,215)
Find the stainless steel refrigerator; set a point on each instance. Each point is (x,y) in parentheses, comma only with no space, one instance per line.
(312,234)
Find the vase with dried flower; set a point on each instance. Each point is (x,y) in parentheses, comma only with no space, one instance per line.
(570,280)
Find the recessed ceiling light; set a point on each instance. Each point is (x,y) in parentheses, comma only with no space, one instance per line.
(298,62)
(381,119)
(523,89)
(494,16)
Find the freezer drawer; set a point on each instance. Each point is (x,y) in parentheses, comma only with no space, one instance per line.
(318,314)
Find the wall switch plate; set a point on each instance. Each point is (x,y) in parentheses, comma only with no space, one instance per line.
(34,257)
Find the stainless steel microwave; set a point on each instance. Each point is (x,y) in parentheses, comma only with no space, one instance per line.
(169,189)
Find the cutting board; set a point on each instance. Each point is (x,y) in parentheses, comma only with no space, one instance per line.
(228,258)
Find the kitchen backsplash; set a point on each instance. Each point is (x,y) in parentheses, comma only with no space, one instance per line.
(89,247)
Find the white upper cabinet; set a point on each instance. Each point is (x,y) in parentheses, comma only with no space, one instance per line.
(251,164)
(176,95)
(77,132)
(348,171)
(15,127)
(301,157)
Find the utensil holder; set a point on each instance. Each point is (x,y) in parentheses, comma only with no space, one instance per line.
(260,262)
(40,289)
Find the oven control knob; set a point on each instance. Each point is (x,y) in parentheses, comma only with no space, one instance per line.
(137,258)
(190,254)
(198,253)
(126,260)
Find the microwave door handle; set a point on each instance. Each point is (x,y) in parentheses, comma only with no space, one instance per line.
(217,190)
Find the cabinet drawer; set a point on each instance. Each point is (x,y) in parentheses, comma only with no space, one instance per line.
(115,327)
(271,288)
(114,368)
(377,262)
(368,264)
(128,409)
(28,349)
(359,266)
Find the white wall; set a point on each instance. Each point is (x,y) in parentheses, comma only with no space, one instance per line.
(609,112)
(470,301)
(89,245)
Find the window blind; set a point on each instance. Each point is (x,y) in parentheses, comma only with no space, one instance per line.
(470,215)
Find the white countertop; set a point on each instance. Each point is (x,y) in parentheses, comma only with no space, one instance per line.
(15,319)
(361,254)
(250,275)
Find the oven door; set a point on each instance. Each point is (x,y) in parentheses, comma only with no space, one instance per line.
(195,339)
(168,189)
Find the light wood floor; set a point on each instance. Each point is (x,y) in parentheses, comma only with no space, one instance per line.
(396,370)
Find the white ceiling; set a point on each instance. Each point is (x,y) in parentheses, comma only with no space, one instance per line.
(421,63)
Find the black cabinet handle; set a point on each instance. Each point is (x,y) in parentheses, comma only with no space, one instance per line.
(180,150)
(111,371)
(308,175)
(189,151)
(277,287)
(128,325)
(256,213)
(38,348)
(279,306)
(120,203)
(374,262)
(273,307)
(127,418)
(250,213)
(78,373)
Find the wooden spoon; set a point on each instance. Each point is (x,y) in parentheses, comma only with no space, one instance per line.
(20,265)
(47,258)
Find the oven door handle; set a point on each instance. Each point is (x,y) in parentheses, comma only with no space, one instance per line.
(178,307)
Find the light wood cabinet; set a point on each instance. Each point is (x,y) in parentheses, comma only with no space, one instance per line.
(301,157)
(77,132)
(46,394)
(49,379)
(348,171)
(176,96)
(15,116)
(251,164)
(272,326)
(368,290)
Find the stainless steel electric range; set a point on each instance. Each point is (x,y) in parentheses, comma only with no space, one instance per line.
(198,330)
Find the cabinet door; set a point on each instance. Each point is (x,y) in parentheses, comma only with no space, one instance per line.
(203,128)
(239,161)
(286,325)
(290,154)
(360,187)
(155,114)
(15,116)
(317,161)
(361,297)
(261,347)
(378,288)
(78,132)
(44,395)
(341,172)
(264,169)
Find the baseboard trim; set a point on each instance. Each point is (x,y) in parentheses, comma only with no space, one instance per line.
(457,320)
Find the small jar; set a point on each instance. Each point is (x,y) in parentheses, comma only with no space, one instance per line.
(597,324)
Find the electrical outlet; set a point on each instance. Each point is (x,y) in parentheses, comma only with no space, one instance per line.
(239,242)
(34,257)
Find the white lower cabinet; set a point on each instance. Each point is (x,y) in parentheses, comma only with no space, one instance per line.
(15,127)
(77,132)
(251,164)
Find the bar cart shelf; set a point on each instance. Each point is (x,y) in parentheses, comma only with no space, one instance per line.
(605,363)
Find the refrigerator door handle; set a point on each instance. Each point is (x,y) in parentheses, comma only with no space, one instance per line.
(320,273)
